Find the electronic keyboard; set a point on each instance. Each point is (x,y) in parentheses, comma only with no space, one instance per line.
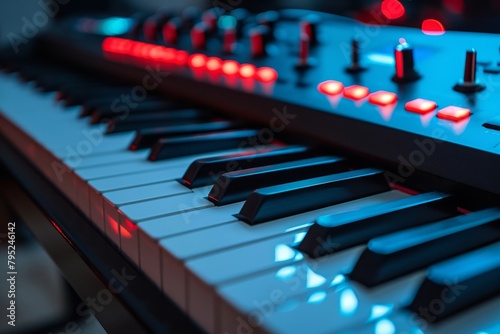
(284,172)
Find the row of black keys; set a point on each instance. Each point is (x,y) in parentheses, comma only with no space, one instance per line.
(403,236)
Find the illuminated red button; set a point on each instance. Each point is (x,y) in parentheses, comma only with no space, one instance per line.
(420,106)
(247,71)
(356,92)
(198,60)
(453,114)
(230,67)
(331,87)
(267,74)
(214,64)
(383,98)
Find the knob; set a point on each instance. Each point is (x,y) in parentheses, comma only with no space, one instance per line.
(355,66)
(469,84)
(210,17)
(154,24)
(259,37)
(303,51)
(199,36)
(229,40)
(309,26)
(171,30)
(268,19)
(405,72)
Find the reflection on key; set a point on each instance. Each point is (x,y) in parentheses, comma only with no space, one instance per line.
(396,254)
(336,232)
(236,186)
(458,283)
(301,196)
(204,172)
(211,142)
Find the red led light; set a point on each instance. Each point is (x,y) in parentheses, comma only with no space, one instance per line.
(197,60)
(433,27)
(383,98)
(247,71)
(181,57)
(420,106)
(392,9)
(267,74)
(331,87)
(230,67)
(454,114)
(110,44)
(214,64)
(356,92)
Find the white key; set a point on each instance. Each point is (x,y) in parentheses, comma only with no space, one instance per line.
(151,231)
(177,249)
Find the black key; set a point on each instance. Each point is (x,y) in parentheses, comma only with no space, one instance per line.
(204,172)
(458,283)
(109,106)
(147,137)
(78,93)
(211,142)
(400,253)
(301,196)
(332,233)
(235,186)
(146,120)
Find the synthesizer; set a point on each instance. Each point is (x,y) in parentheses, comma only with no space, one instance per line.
(284,172)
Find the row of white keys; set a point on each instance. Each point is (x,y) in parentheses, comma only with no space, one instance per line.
(226,240)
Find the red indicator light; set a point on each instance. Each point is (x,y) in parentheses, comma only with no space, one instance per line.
(383,98)
(331,87)
(181,57)
(392,9)
(230,67)
(420,106)
(356,92)
(454,114)
(214,64)
(267,74)
(110,44)
(198,60)
(433,27)
(247,71)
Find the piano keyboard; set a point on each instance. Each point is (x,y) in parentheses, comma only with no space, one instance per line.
(249,235)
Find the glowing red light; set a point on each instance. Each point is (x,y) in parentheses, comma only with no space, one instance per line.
(181,57)
(267,74)
(214,64)
(454,6)
(247,71)
(454,114)
(420,106)
(356,92)
(110,44)
(392,9)
(230,67)
(331,87)
(383,98)
(433,27)
(197,60)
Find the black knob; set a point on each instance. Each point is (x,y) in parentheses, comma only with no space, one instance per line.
(355,66)
(469,84)
(405,64)
(309,26)
(199,34)
(154,24)
(259,37)
(268,19)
